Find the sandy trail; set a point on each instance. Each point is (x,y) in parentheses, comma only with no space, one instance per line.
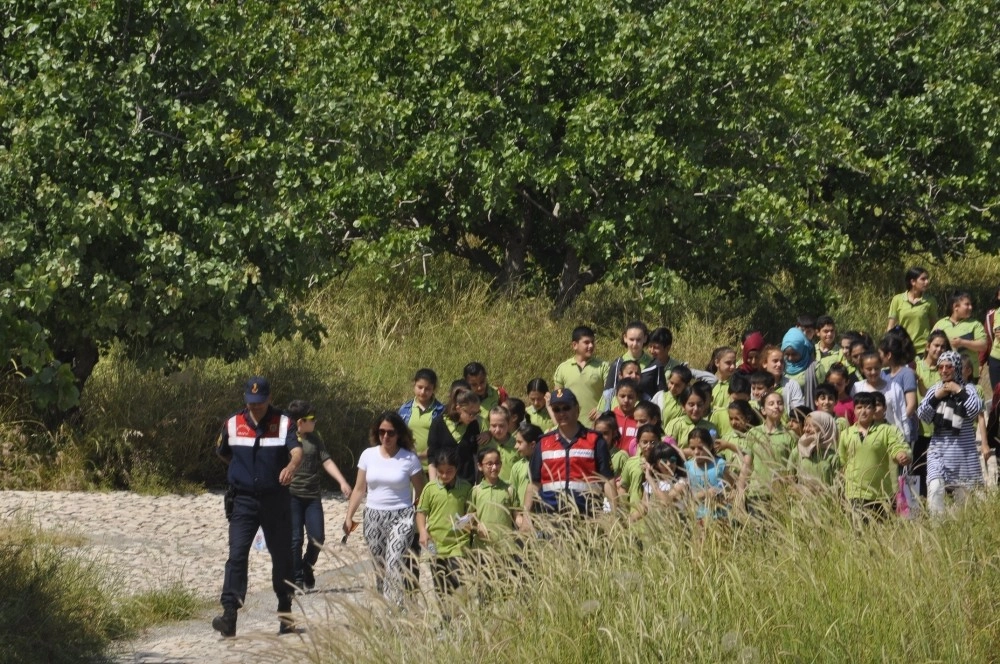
(151,542)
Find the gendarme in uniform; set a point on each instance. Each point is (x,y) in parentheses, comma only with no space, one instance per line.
(260,446)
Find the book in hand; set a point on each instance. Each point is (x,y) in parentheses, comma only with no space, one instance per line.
(463,522)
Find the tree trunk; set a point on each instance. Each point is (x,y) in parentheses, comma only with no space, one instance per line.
(82,360)
(573,281)
(516,251)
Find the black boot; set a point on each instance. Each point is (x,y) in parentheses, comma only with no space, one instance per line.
(226,623)
(286,625)
(308,578)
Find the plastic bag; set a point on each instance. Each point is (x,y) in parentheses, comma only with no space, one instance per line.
(908,496)
(259,543)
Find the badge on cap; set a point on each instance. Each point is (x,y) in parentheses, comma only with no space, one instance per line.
(254,389)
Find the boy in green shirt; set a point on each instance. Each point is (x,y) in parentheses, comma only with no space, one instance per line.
(583,374)
(441,521)
(867,451)
(490,397)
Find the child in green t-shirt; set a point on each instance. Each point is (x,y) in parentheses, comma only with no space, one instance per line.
(525,439)
(538,410)
(723,365)
(630,487)
(671,400)
(867,452)
(696,405)
(607,426)
(442,521)
(769,445)
(492,502)
(501,440)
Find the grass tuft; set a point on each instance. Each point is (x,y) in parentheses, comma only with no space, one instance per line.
(58,607)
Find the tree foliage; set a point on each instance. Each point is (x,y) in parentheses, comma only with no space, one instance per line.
(570,140)
(174,175)
(153,186)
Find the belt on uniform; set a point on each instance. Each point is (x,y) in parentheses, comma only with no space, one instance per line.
(258,494)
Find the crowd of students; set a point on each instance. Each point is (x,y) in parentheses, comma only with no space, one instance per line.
(820,410)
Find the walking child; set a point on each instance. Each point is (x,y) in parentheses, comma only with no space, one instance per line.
(443,531)
(306,494)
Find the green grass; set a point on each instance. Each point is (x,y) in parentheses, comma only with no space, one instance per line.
(59,607)
(809,586)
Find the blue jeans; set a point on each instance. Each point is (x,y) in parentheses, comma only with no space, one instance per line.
(307,513)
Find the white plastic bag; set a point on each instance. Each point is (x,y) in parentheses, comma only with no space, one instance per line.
(259,543)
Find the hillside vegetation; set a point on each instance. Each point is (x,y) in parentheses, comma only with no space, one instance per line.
(153,432)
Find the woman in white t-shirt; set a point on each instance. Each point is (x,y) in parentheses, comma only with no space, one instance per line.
(389,473)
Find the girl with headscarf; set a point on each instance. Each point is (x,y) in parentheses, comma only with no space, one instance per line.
(799,364)
(753,343)
(953,407)
(815,459)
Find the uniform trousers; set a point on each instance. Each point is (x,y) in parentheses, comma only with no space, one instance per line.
(271,512)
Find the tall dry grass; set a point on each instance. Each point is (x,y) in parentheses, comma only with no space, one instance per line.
(808,585)
(155,433)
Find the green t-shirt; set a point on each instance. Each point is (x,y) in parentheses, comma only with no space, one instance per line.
(488,403)
(306,481)
(443,506)
(769,453)
(631,481)
(420,425)
(926,378)
(869,462)
(819,466)
(720,395)
(969,329)
(720,419)
(508,455)
(914,317)
(586,383)
(670,407)
(680,427)
(519,480)
(493,505)
(540,418)
(618,460)
(734,461)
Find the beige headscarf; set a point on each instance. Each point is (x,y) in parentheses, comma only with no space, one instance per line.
(825,437)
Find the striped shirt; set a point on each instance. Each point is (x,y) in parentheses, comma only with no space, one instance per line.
(953,457)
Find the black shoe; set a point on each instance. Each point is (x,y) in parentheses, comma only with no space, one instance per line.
(286,627)
(226,623)
(308,578)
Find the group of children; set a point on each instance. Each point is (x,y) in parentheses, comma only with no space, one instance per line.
(819,410)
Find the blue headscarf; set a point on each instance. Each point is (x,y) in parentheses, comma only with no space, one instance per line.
(796,340)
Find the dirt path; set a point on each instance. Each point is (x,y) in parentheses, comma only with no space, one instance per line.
(150,542)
